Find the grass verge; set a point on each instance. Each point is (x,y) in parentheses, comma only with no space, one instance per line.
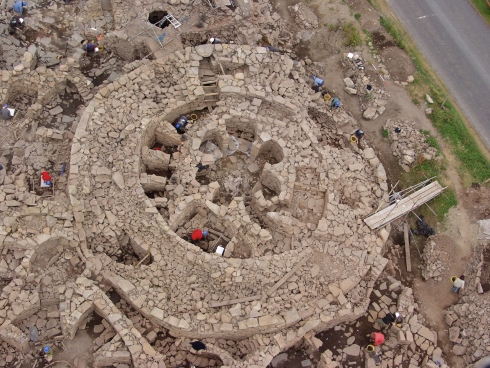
(351,34)
(473,164)
(482,7)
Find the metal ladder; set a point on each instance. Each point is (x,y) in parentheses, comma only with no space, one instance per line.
(173,21)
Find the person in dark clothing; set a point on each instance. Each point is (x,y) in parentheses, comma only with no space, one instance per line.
(6,115)
(16,24)
(272,49)
(423,228)
(91,49)
(317,88)
(198,345)
(215,41)
(389,319)
(181,124)
(359,134)
(201,167)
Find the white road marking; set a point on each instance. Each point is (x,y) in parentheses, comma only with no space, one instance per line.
(425,16)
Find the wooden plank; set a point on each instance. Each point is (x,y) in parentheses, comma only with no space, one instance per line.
(287,276)
(235,301)
(407,247)
(404,206)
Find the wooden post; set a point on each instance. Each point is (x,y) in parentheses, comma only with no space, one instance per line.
(407,247)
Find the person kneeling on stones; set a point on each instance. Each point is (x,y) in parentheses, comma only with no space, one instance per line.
(91,49)
(458,284)
(16,24)
(377,338)
(389,319)
(335,103)
(201,167)
(198,235)
(6,115)
(215,41)
(423,228)
(359,134)
(181,124)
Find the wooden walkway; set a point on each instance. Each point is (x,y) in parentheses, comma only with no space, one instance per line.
(404,206)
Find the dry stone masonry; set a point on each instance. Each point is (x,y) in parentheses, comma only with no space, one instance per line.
(283,194)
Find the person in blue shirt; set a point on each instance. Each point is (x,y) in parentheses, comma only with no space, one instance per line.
(181,124)
(318,81)
(19,6)
(91,48)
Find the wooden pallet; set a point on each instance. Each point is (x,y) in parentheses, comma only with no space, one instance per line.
(404,206)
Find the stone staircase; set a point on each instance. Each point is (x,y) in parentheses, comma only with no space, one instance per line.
(209,82)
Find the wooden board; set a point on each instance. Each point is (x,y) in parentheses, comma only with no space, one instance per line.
(222,3)
(287,276)
(235,301)
(407,247)
(396,210)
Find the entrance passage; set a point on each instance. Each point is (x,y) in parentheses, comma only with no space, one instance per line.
(156,18)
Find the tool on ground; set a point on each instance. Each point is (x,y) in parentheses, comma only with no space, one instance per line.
(359,64)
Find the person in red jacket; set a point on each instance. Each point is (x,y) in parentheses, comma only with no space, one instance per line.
(198,235)
(377,338)
(46,177)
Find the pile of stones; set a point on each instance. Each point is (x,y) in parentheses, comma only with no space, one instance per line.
(469,320)
(304,16)
(372,98)
(433,262)
(410,144)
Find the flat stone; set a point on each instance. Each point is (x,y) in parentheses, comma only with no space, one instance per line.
(205,50)
(353,350)
(369,113)
(459,350)
(57,110)
(279,359)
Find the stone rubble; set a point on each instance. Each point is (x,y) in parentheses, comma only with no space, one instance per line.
(372,99)
(469,320)
(410,145)
(298,258)
(434,261)
(304,16)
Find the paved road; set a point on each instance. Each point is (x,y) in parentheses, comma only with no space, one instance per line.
(456,42)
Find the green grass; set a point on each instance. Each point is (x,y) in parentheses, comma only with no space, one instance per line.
(452,129)
(368,36)
(351,34)
(357,16)
(474,166)
(430,140)
(482,7)
(384,133)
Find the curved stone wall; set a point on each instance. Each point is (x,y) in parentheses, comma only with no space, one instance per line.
(197,294)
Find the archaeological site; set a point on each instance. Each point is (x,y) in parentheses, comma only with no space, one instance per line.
(228,183)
